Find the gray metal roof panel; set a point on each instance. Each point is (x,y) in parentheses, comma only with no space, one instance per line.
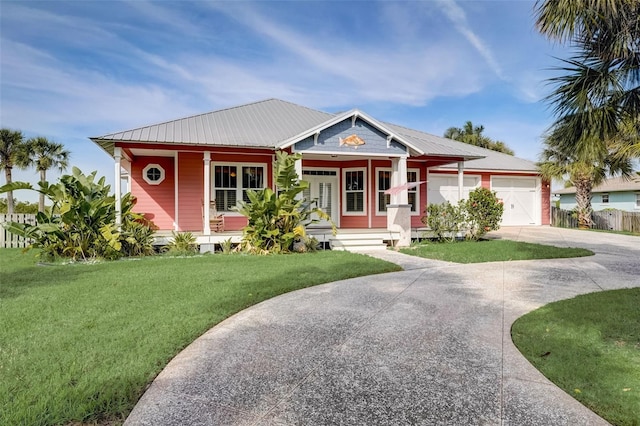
(268,123)
(261,124)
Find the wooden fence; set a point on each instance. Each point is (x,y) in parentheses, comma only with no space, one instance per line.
(610,220)
(9,240)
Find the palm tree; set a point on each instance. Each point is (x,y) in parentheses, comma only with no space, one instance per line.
(601,86)
(472,135)
(585,163)
(13,153)
(45,155)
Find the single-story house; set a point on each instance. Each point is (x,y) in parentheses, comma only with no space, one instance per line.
(615,193)
(350,159)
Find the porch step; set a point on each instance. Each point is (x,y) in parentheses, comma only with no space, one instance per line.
(356,242)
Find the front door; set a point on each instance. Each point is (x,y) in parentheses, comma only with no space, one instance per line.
(323,187)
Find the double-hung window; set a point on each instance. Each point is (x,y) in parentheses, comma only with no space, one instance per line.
(605,198)
(638,201)
(231,182)
(383,182)
(354,191)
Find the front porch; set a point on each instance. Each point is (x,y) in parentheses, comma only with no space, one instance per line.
(346,238)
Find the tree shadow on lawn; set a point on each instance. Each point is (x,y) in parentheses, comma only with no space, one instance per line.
(15,283)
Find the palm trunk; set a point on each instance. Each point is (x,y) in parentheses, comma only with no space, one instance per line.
(43,178)
(583,201)
(7,174)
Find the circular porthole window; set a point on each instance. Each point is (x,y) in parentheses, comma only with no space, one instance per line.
(153,174)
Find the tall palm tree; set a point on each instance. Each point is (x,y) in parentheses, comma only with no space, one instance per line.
(600,88)
(586,163)
(45,155)
(13,153)
(472,135)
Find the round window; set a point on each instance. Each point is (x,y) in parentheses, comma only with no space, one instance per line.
(153,174)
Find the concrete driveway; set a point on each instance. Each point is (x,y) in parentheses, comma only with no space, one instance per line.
(429,345)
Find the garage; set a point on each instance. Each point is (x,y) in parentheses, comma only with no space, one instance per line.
(520,196)
(441,188)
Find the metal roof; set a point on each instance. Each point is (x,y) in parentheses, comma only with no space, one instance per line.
(273,123)
(617,184)
(260,124)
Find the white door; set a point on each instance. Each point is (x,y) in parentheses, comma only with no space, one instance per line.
(441,188)
(323,189)
(519,196)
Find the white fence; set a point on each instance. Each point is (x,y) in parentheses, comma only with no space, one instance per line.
(9,240)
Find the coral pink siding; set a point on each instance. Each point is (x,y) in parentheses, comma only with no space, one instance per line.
(190,191)
(158,201)
(546,203)
(155,201)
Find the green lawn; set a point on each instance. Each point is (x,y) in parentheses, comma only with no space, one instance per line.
(79,343)
(590,347)
(491,251)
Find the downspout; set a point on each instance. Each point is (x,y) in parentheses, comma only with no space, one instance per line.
(207,193)
(371,186)
(175,191)
(460,179)
(117,155)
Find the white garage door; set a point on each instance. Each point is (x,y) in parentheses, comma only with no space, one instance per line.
(520,198)
(441,188)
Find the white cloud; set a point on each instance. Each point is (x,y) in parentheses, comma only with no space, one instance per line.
(458,18)
(412,74)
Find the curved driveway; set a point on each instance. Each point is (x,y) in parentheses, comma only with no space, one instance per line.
(429,345)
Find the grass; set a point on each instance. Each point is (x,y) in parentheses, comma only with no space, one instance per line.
(491,251)
(80,342)
(590,347)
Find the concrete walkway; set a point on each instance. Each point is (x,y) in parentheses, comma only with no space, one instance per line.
(429,345)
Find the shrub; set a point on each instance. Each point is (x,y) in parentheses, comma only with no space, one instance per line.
(445,220)
(182,243)
(473,218)
(483,212)
(80,224)
(277,220)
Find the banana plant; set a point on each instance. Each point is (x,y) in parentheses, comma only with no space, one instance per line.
(80,224)
(278,219)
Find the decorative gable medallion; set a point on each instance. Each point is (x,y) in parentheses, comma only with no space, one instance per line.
(354,140)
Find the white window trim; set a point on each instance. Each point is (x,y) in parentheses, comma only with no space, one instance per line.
(608,198)
(344,191)
(239,188)
(637,204)
(153,166)
(377,190)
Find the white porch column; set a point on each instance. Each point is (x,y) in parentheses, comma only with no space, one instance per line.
(117,156)
(298,167)
(460,179)
(399,211)
(207,193)
(402,174)
(395,180)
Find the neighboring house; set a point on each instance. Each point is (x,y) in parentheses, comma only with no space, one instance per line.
(350,160)
(615,193)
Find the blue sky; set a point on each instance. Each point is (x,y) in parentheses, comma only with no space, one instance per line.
(70,70)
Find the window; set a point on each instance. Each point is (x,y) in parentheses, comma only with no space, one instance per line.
(383,177)
(412,176)
(354,191)
(638,200)
(229,187)
(605,198)
(384,183)
(153,174)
